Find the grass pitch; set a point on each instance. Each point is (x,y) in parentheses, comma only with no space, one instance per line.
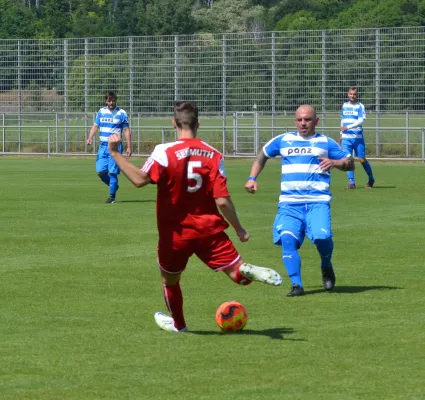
(79,286)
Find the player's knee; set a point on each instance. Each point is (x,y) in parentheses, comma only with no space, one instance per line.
(325,244)
(362,160)
(290,247)
(170,279)
(289,242)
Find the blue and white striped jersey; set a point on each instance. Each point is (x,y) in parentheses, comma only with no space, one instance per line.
(110,122)
(350,114)
(302,180)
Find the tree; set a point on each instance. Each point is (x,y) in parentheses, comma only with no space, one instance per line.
(231,16)
(166,17)
(326,9)
(372,14)
(57,18)
(289,7)
(16,22)
(93,18)
(300,21)
(104,74)
(125,18)
(206,3)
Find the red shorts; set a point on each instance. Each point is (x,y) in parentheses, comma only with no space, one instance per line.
(216,251)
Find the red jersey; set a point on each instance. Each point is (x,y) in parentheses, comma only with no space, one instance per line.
(189,174)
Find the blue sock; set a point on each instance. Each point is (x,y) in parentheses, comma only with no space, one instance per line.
(291,258)
(350,175)
(325,248)
(104,178)
(366,166)
(113,185)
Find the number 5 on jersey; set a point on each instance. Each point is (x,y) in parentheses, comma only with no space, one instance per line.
(194,176)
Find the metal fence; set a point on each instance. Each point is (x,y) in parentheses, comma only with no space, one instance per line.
(56,82)
(399,136)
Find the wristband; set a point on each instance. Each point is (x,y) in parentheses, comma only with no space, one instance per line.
(252,178)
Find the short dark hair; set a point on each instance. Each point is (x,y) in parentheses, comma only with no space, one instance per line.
(111,95)
(352,88)
(186,114)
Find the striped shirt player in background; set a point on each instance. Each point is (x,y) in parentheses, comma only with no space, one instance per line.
(191,189)
(351,139)
(110,120)
(304,201)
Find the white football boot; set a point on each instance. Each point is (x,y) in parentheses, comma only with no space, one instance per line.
(166,323)
(260,274)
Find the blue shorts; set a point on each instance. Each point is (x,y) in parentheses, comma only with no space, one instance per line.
(105,162)
(356,145)
(300,220)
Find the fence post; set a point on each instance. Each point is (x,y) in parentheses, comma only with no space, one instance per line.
(86,146)
(223,144)
(235,132)
(86,129)
(323,123)
(57,133)
(256,128)
(48,141)
(377,88)
(66,94)
(273,82)
(138,133)
(94,148)
(224,86)
(407,133)
(19,94)
(57,139)
(176,68)
(86,75)
(131,73)
(4,132)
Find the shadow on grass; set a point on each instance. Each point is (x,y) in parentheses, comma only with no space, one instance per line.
(374,187)
(136,201)
(359,289)
(353,289)
(273,333)
(384,187)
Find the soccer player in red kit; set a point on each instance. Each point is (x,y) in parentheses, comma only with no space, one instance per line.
(191,187)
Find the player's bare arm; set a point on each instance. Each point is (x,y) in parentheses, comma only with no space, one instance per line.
(345,164)
(137,177)
(251,185)
(127,134)
(93,131)
(227,208)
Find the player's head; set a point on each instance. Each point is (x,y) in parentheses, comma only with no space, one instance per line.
(352,94)
(306,120)
(186,116)
(111,100)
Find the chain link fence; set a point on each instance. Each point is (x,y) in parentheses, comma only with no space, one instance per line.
(54,87)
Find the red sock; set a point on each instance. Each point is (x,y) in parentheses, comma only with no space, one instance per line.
(240,279)
(174,300)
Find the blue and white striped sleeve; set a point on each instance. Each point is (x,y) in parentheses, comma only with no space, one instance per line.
(334,150)
(272,147)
